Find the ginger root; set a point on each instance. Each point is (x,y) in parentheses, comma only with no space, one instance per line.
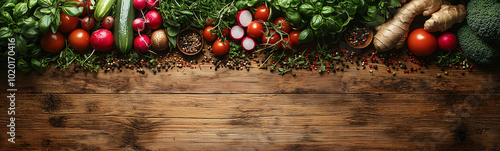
(446,17)
(393,33)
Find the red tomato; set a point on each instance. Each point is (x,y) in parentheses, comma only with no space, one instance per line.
(421,42)
(262,13)
(255,29)
(225,32)
(286,41)
(220,48)
(294,37)
(52,43)
(208,35)
(68,23)
(84,13)
(85,23)
(285,27)
(274,38)
(79,40)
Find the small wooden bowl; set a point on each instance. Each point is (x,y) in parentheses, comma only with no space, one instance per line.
(368,40)
(190,30)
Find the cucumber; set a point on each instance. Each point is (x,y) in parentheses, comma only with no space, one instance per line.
(103,8)
(124,34)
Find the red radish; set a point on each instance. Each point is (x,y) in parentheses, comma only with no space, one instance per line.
(447,41)
(138,25)
(102,40)
(88,23)
(237,32)
(248,44)
(152,4)
(108,22)
(139,4)
(244,18)
(153,20)
(141,43)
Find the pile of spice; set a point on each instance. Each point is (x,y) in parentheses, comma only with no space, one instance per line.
(357,36)
(190,41)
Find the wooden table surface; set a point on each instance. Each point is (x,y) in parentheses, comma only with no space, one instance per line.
(255,110)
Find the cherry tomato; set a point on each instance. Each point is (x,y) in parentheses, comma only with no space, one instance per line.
(255,29)
(272,40)
(285,27)
(85,23)
(84,13)
(52,43)
(68,23)
(421,42)
(220,48)
(79,40)
(262,13)
(108,22)
(225,32)
(294,37)
(208,35)
(286,41)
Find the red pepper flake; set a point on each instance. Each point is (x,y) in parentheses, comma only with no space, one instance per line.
(192,67)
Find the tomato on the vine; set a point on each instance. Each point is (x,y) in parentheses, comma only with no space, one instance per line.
(88,23)
(272,40)
(220,48)
(421,42)
(225,32)
(68,23)
(208,35)
(79,40)
(52,42)
(255,29)
(262,13)
(84,12)
(285,42)
(294,37)
(285,27)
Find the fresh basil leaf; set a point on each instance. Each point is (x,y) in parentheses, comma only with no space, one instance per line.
(72,11)
(307,9)
(45,10)
(45,23)
(294,3)
(327,10)
(71,4)
(37,65)
(316,22)
(5,32)
(293,16)
(38,13)
(8,5)
(172,41)
(21,45)
(29,21)
(30,33)
(32,3)
(53,27)
(6,16)
(173,31)
(284,3)
(45,3)
(251,3)
(23,66)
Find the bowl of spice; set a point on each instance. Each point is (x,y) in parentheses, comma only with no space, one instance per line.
(190,41)
(359,36)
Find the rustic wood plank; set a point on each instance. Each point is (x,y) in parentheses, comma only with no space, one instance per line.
(256,121)
(258,81)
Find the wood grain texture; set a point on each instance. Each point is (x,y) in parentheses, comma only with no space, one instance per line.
(256,122)
(258,81)
(256,110)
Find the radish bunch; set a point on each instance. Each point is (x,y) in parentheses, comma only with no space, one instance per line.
(151,20)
